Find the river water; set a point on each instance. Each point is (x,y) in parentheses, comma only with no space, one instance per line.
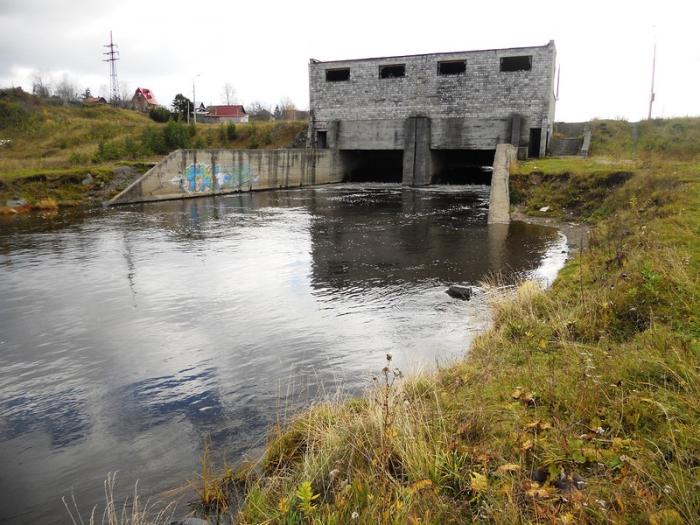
(130,335)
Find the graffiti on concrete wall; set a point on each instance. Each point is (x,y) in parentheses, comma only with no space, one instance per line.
(231,178)
(199,178)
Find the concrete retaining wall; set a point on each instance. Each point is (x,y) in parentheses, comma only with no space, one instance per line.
(499,200)
(196,173)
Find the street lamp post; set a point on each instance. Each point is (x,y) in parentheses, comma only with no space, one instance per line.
(194,100)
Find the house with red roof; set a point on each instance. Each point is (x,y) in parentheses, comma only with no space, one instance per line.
(231,113)
(144,99)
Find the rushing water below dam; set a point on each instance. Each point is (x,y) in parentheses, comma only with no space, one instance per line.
(129,335)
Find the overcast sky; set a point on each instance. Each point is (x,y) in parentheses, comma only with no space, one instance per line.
(262,47)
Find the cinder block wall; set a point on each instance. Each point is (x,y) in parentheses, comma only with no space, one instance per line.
(472,110)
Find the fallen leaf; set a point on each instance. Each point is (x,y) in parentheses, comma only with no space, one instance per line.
(527,445)
(509,467)
(538,493)
(420,485)
(478,482)
(538,425)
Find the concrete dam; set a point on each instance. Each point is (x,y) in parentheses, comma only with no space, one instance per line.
(200,173)
(415,119)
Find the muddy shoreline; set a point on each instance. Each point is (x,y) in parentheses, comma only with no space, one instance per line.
(577,234)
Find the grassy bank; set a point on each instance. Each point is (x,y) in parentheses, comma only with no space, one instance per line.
(580,405)
(47,150)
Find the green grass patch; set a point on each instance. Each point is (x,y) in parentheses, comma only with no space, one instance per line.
(577,165)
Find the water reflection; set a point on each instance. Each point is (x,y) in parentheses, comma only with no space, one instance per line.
(191,395)
(62,416)
(128,335)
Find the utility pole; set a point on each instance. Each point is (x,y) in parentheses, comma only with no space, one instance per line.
(194,100)
(652,96)
(112,56)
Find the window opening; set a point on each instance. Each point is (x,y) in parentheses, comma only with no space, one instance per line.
(452,67)
(392,71)
(521,63)
(337,75)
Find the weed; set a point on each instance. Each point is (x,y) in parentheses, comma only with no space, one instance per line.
(132,511)
(388,400)
(306,498)
(213,491)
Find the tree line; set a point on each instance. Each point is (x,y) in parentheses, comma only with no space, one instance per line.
(66,91)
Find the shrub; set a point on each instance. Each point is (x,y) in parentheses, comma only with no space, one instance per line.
(14,115)
(176,136)
(153,140)
(159,114)
(78,159)
(132,149)
(107,151)
(231,132)
(267,138)
(253,143)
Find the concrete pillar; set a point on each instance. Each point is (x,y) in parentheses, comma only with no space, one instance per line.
(499,200)
(409,150)
(417,162)
(515,121)
(332,134)
(544,138)
(586,146)
(497,235)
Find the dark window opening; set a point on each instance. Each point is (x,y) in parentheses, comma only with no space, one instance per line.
(452,67)
(337,75)
(535,140)
(392,71)
(372,165)
(462,166)
(521,63)
(322,139)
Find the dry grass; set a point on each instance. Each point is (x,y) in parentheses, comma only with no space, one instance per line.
(580,405)
(131,511)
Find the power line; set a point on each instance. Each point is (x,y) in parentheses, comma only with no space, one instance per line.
(112,55)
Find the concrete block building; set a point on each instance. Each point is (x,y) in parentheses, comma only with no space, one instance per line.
(422,119)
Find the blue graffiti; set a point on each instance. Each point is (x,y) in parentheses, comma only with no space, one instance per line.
(197,178)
